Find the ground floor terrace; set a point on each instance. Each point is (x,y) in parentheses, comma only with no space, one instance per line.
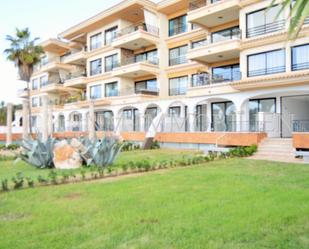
(278,112)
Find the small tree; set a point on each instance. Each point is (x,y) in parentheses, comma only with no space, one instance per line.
(25,54)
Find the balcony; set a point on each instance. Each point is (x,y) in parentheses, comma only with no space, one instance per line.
(265,29)
(76,80)
(221,49)
(211,13)
(53,86)
(131,68)
(136,37)
(54,65)
(74,58)
(22,93)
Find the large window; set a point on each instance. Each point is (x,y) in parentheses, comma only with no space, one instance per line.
(223,116)
(36,101)
(148,85)
(264,21)
(270,62)
(226,34)
(174,111)
(95,67)
(95,41)
(111,62)
(150,56)
(178,55)
(96,92)
(177,25)
(226,73)
(43,81)
(300,57)
(111,89)
(35,84)
(178,86)
(260,105)
(110,35)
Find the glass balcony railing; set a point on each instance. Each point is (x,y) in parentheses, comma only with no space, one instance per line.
(205,79)
(178,60)
(133,28)
(196,4)
(133,60)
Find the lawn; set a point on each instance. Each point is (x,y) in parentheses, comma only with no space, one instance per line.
(232,203)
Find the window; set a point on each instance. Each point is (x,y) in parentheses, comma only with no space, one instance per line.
(149,85)
(200,43)
(195,26)
(95,41)
(174,111)
(263,21)
(260,105)
(270,62)
(35,84)
(130,120)
(34,121)
(300,57)
(111,89)
(226,73)
(200,79)
(95,92)
(178,86)
(110,35)
(178,55)
(223,116)
(36,101)
(111,62)
(150,56)
(43,81)
(177,25)
(226,34)
(95,67)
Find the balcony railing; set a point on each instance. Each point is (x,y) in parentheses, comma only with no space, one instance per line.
(177,61)
(71,53)
(133,60)
(265,29)
(300,66)
(147,91)
(205,80)
(142,26)
(75,76)
(301,126)
(196,4)
(266,71)
(51,82)
(179,29)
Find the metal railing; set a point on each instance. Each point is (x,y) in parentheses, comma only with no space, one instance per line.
(147,91)
(71,53)
(51,82)
(266,71)
(141,26)
(301,126)
(205,79)
(178,29)
(133,60)
(300,66)
(265,29)
(178,60)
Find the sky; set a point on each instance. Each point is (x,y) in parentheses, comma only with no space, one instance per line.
(45,19)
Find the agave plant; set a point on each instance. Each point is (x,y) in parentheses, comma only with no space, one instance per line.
(101,152)
(38,153)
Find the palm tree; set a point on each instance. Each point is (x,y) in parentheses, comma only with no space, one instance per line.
(25,54)
(299,12)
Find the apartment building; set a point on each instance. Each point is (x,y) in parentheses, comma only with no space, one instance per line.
(185,66)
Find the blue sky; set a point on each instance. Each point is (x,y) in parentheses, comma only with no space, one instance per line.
(45,19)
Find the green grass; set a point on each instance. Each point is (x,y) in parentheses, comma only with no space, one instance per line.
(8,169)
(233,203)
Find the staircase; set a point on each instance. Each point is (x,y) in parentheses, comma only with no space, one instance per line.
(276,149)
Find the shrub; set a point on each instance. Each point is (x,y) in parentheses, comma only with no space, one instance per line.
(30,182)
(53,177)
(243,151)
(83,173)
(65,176)
(155,145)
(2,146)
(124,167)
(5,185)
(18,181)
(146,165)
(129,146)
(7,158)
(42,180)
(13,146)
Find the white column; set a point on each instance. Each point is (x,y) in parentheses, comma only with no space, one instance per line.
(238,121)
(209,117)
(91,128)
(9,109)
(25,119)
(44,117)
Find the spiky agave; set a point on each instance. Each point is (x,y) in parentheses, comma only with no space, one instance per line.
(101,152)
(38,153)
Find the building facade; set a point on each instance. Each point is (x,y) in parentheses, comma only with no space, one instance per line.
(178,66)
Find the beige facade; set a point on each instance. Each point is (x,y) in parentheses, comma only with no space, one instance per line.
(198,65)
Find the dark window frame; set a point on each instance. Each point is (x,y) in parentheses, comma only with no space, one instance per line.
(292,48)
(108,84)
(91,71)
